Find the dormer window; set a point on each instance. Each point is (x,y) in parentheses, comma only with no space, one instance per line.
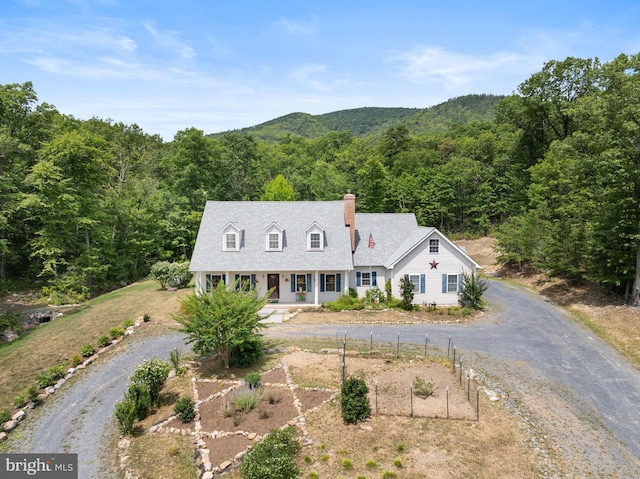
(231,241)
(315,237)
(314,240)
(231,238)
(273,239)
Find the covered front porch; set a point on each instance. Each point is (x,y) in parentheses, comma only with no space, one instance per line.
(290,287)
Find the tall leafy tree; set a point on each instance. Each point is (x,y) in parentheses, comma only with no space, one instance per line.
(23,126)
(372,189)
(278,189)
(221,321)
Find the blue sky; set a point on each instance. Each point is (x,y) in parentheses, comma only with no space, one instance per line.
(219,65)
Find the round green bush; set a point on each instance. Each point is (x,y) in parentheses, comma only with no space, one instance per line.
(185,409)
(152,374)
(87,350)
(274,457)
(354,401)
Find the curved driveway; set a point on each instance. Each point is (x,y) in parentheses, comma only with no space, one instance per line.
(571,385)
(568,378)
(79,418)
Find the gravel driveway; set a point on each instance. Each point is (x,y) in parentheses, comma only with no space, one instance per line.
(79,419)
(577,400)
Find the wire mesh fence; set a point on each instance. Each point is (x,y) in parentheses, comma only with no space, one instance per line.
(422,383)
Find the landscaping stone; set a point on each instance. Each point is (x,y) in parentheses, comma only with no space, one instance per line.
(19,416)
(3,436)
(225,465)
(10,425)
(207,475)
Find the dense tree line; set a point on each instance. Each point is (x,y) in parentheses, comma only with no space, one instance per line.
(88,205)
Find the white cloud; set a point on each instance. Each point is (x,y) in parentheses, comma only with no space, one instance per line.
(425,65)
(297,27)
(307,75)
(169,41)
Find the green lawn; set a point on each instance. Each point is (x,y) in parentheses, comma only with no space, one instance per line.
(59,340)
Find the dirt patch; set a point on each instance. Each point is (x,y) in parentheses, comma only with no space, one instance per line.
(225,448)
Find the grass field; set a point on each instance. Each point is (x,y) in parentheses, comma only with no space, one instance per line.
(59,340)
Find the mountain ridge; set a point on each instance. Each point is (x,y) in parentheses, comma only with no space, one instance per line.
(373,121)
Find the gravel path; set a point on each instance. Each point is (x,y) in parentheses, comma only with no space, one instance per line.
(79,419)
(577,400)
(576,397)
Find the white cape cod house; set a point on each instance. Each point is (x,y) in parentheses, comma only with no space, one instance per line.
(314,251)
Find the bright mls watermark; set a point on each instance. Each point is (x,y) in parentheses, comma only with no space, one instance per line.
(49,466)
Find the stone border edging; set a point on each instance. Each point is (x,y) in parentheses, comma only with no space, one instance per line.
(21,415)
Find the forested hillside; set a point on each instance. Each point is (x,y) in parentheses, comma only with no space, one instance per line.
(88,205)
(371,121)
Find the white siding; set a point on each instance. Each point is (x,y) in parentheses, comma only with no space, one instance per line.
(449,261)
(381,278)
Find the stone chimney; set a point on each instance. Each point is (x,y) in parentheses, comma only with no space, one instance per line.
(350,217)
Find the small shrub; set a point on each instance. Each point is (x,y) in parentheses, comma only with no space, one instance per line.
(174,450)
(152,374)
(347,463)
(313,475)
(104,341)
(388,475)
(175,356)
(371,464)
(345,302)
(127,323)
(374,295)
(399,447)
(273,399)
(227,409)
(5,415)
(141,399)
(125,412)
(274,457)
(87,350)
(76,360)
(324,457)
(116,333)
(146,318)
(473,288)
(423,388)
(32,393)
(397,463)
(308,459)
(20,401)
(252,379)
(354,401)
(58,371)
(406,293)
(181,371)
(361,477)
(185,409)
(248,353)
(263,414)
(247,400)
(45,379)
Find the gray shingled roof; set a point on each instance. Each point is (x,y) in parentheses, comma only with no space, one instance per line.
(253,218)
(389,231)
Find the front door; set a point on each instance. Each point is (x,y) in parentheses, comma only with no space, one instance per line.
(273,281)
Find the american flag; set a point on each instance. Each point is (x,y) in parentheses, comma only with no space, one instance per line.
(372,242)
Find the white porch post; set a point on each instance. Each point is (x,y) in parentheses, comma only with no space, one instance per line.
(316,289)
(228,277)
(346,283)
